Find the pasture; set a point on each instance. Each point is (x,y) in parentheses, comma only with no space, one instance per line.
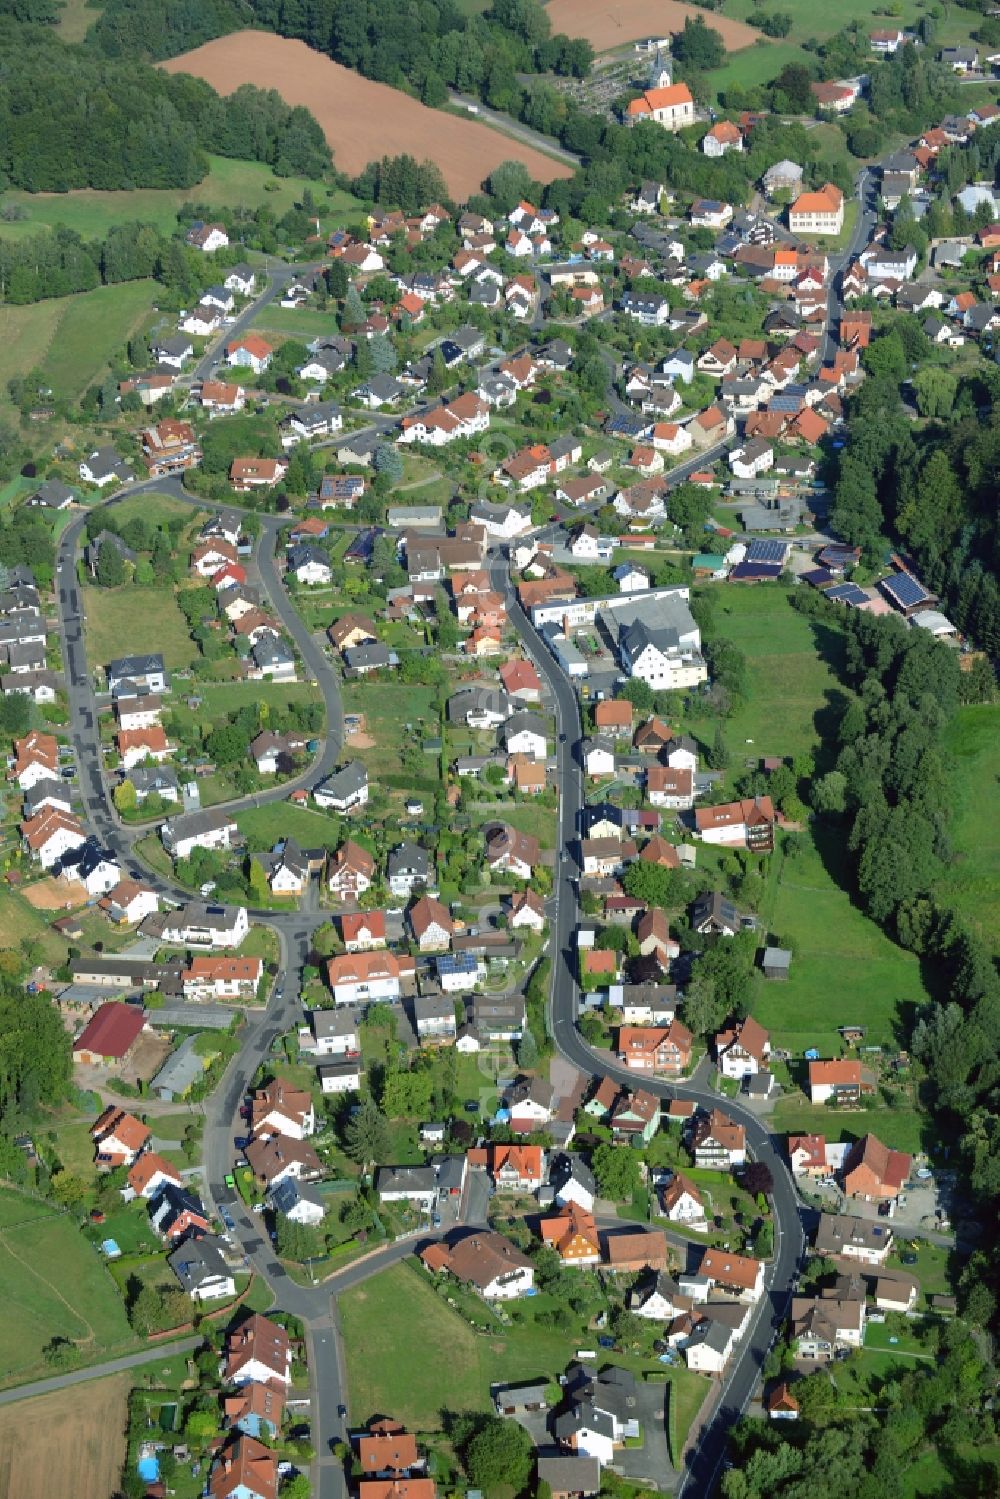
(793,686)
(845,971)
(972,882)
(362,120)
(55,1285)
(229,184)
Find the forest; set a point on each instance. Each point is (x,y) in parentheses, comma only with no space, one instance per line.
(62,111)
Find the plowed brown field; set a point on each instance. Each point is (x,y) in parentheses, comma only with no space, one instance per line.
(362,120)
(68,1443)
(610,23)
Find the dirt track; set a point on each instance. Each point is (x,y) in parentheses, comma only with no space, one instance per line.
(69,1443)
(610,23)
(362,120)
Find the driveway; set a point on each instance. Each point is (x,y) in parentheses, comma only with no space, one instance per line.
(652,1459)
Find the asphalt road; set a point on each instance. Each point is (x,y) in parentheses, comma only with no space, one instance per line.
(507,125)
(162,1351)
(737,1387)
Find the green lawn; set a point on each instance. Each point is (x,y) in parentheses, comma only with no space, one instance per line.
(755,65)
(230,184)
(794,694)
(970,1472)
(408,1352)
(301,323)
(75,19)
(808,20)
(264,826)
(55,1285)
(972,884)
(845,971)
(900,1129)
(133,620)
(157,510)
(388,708)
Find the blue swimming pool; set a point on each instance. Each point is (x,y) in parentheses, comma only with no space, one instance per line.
(148,1469)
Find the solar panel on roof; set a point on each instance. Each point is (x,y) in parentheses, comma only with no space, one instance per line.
(765,550)
(905,590)
(847,593)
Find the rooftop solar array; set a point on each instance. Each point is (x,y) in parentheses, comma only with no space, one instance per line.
(848,593)
(905,591)
(761,570)
(765,550)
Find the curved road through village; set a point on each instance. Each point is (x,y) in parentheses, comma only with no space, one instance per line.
(316,1305)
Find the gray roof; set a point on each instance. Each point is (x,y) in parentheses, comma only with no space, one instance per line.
(270,650)
(287,1193)
(525,720)
(154,778)
(52,494)
(181,1069)
(434,1007)
(345,782)
(134,666)
(328,1023)
(570,1475)
(836,1230)
(409,858)
(417,1179)
(567,1167)
(196,1261)
(193,824)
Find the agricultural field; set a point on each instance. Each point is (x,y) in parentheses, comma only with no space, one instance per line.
(845,971)
(410,1353)
(794,696)
(229,184)
(606,27)
(124,619)
(55,1286)
(362,120)
(972,883)
(91,1422)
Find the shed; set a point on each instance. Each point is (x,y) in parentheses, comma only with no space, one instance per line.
(776,962)
(179,1072)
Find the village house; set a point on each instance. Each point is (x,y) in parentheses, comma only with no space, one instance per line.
(718,1141)
(118,1138)
(486,1261)
(873,1172)
(665,1049)
(743,1049)
(839,1082)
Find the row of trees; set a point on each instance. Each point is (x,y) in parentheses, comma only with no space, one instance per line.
(891,790)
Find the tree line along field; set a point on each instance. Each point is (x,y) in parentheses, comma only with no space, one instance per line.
(55,1285)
